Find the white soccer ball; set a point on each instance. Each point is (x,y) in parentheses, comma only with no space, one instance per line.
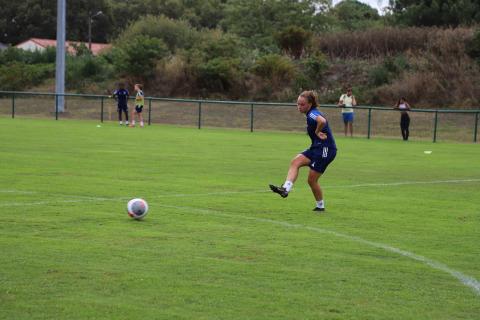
(137,208)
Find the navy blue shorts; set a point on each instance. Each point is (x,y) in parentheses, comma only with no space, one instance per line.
(320,158)
(139,109)
(122,108)
(347,117)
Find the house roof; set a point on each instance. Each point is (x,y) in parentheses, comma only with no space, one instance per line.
(96,47)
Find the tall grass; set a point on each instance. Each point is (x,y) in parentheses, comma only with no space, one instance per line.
(437,71)
(391,41)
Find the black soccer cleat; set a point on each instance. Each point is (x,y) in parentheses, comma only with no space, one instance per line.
(318,209)
(280,190)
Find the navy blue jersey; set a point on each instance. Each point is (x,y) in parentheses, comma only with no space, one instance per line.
(312,126)
(122,97)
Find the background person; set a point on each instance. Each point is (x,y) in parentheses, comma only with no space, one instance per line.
(404,106)
(139,103)
(347,101)
(121,95)
(321,153)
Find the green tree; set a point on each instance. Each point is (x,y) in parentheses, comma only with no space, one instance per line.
(126,12)
(257,20)
(436,12)
(354,15)
(38,19)
(139,56)
(174,33)
(78,14)
(25,19)
(204,13)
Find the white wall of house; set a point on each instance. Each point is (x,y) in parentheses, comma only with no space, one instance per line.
(30,46)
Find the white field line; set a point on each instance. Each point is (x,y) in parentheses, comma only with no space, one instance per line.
(16,191)
(402,183)
(464,279)
(207,194)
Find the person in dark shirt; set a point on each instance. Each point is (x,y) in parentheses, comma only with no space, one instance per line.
(318,156)
(121,95)
(403,106)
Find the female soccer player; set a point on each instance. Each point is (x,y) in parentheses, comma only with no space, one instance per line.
(320,154)
(139,103)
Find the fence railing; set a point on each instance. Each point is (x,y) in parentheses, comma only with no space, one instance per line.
(370,121)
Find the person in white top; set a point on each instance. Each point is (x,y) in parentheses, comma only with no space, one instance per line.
(347,101)
(403,106)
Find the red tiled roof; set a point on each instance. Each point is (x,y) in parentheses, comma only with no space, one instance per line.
(96,47)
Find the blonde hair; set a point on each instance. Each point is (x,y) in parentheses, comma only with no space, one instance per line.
(311,97)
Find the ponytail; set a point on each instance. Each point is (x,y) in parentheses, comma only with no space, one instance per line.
(311,98)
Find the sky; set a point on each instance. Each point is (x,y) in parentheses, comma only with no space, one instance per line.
(377,4)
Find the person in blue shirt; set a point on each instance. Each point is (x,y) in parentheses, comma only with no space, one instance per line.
(321,153)
(121,95)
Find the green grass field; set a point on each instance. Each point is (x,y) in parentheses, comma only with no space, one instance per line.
(400,238)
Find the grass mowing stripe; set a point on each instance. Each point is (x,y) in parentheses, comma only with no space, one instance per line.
(465,279)
(179,195)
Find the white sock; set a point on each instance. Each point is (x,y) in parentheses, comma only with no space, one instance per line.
(288,185)
(141,123)
(126,122)
(121,122)
(133,122)
(320,204)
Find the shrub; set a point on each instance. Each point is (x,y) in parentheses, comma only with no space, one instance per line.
(379,75)
(18,76)
(275,69)
(219,74)
(139,56)
(172,77)
(13,54)
(473,46)
(315,65)
(293,40)
(84,69)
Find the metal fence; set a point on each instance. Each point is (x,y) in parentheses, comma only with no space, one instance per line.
(435,125)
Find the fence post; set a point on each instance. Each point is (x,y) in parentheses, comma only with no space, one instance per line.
(56,106)
(13,105)
(251,117)
(199,115)
(435,127)
(149,111)
(369,122)
(101,109)
(475,130)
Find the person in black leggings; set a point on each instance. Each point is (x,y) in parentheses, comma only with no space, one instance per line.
(404,106)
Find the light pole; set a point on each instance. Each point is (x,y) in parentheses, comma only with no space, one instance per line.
(60,57)
(90,21)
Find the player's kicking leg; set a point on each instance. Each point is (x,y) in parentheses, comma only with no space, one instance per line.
(297,162)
